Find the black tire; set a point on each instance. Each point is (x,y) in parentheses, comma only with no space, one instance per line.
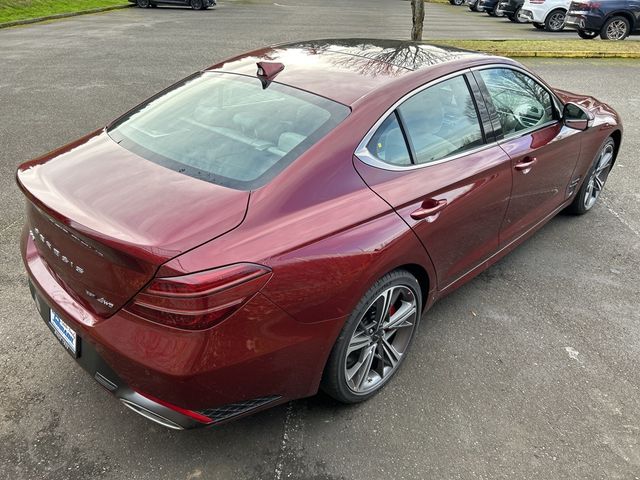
(511,18)
(474,7)
(539,26)
(580,206)
(196,4)
(553,23)
(334,379)
(143,3)
(516,16)
(616,28)
(457,3)
(587,34)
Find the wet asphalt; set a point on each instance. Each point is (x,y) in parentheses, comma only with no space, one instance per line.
(529,371)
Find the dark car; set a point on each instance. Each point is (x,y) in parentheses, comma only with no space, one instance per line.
(511,9)
(473,5)
(194,4)
(279,222)
(491,7)
(611,19)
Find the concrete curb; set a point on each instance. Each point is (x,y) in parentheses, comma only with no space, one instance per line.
(62,15)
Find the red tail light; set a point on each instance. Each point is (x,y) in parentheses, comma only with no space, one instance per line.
(199,300)
(536,2)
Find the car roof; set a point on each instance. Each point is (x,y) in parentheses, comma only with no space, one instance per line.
(347,69)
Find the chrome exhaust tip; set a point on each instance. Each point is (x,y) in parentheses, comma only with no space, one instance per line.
(149,415)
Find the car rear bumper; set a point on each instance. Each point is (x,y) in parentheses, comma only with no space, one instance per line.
(257,358)
(534,14)
(506,8)
(583,21)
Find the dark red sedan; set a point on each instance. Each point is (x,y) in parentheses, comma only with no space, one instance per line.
(279,222)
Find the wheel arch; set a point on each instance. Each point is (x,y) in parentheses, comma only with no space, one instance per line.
(422,276)
(622,13)
(617,138)
(552,11)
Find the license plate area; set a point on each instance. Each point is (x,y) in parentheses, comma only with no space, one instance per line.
(64,333)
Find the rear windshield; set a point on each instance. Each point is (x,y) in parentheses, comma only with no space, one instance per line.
(227,129)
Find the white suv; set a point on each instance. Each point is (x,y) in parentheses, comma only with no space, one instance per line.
(545,14)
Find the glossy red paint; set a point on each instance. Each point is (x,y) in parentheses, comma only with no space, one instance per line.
(327,227)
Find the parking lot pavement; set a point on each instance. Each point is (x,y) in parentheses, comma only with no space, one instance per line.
(529,371)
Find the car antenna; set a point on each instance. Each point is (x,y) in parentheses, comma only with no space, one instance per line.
(267,72)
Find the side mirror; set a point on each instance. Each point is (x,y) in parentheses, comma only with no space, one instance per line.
(576,117)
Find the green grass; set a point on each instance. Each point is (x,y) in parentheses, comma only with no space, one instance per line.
(564,48)
(12,10)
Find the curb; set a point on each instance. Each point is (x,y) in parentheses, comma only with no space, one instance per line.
(62,15)
(543,54)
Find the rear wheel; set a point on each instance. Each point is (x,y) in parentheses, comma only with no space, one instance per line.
(594,180)
(555,21)
(616,28)
(457,3)
(197,4)
(473,7)
(375,339)
(587,34)
(539,26)
(143,3)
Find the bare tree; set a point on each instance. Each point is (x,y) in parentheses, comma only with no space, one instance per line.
(417,9)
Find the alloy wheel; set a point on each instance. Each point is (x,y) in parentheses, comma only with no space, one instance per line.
(381,339)
(616,30)
(598,176)
(556,21)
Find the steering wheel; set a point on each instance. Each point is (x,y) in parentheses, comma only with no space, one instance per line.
(528,114)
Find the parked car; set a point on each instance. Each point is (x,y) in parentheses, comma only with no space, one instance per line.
(611,19)
(280,221)
(545,14)
(194,4)
(473,5)
(490,7)
(511,9)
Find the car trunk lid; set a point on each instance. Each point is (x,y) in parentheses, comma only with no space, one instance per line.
(104,219)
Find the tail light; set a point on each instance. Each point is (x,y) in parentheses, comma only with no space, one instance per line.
(199,300)
(536,2)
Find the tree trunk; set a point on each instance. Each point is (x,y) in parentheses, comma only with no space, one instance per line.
(417,9)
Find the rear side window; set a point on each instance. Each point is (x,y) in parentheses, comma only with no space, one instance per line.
(228,129)
(521,102)
(441,121)
(388,143)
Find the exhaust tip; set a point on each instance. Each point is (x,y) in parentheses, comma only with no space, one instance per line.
(149,415)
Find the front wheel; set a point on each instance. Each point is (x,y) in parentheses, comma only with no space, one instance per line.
(594,180)
(457,3)
(375,339)
(555,21)
(616,28)
(197,4)
(143,3)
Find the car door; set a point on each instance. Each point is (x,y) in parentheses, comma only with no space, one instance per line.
(432,161)
(543,151)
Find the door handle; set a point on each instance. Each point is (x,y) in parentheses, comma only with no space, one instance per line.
(526,164)
(429,208)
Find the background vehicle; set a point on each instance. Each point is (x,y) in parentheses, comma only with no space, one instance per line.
(547,14)
(194,4)
(490,7)
(511,10)
(611,19)
(473,5)
(456,2)
(266,227)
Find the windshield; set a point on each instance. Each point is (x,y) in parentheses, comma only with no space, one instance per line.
(227,129)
